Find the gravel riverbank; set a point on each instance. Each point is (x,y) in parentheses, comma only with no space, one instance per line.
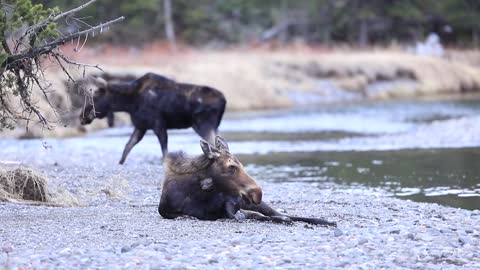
(374,232)
(117,224)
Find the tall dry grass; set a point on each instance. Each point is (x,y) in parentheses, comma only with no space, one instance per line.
(24,185)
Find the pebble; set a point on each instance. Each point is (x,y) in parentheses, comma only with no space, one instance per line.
(126,249)
(337,232)
(463,240)
(362,241)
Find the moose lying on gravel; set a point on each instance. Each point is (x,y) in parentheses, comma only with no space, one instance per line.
(155,102)
(215,185)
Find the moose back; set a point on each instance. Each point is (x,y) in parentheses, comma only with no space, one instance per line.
(157,103)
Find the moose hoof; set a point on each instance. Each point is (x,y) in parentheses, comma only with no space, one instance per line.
(282,219)
(239,216)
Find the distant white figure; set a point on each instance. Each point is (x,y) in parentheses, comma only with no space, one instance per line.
(431,46)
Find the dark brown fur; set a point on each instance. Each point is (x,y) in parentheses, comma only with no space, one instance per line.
(158,103)
(215,185)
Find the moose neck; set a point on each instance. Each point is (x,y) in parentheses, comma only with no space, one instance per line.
(179,164)
(122,102)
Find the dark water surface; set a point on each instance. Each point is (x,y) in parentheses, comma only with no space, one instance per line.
(445,176)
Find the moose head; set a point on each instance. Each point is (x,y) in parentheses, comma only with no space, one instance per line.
(99,105)
(228,174)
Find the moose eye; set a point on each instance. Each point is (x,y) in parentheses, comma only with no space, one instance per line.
(232,169)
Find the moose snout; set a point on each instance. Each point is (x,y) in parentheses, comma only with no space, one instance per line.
(255,195)
(85,121)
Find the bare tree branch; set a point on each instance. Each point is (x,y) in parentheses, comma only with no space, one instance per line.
(39,28)
(35,52)
(66,13)
(22,70)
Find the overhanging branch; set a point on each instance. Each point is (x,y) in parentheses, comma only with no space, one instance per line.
(47,48)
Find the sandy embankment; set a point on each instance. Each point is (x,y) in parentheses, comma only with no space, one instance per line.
(258,79)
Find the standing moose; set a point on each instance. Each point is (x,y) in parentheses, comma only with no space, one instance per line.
(215,185)
(155,102)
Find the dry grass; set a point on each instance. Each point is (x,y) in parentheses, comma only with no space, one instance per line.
(23,185)
(116,188)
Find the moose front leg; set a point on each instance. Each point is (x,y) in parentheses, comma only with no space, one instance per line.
(263,208)
(136,136)
(161,131)
(247,214)
(110,119)
(266,210)
(232,208)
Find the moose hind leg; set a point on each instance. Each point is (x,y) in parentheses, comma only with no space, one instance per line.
(136,136)
(207,132)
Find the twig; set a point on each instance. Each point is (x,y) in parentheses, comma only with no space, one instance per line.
(66,13)
(32,53)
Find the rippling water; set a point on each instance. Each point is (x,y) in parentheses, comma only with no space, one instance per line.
(424,150)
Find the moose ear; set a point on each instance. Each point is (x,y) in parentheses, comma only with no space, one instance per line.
(221,144)
(210,151)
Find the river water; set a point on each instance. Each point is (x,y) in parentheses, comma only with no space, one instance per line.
(426,151)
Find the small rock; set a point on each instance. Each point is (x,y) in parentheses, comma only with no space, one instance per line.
(126,249)
(468,231)
(454,244)
(463,240)
(445,230)
(7,249)
(66,251)
(362,241)
(337,232)
(213,260)
(410,236)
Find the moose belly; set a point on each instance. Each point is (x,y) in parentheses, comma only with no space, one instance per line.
(178,121)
